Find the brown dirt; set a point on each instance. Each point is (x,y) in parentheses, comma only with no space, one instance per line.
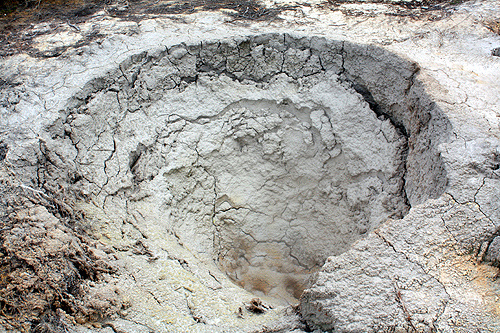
(50,270)
(19,17)
(16,26)
(493,26)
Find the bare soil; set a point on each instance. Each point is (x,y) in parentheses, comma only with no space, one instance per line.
(19,17)
(50,270)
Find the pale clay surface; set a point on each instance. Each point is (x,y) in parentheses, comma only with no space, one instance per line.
(264,162)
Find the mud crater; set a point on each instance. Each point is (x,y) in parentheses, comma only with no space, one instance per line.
(264,154)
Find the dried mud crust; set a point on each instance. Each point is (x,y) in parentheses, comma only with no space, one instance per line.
(19,26)
(21,21)
(50,271)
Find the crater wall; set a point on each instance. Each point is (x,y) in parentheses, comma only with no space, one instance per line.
(266,154)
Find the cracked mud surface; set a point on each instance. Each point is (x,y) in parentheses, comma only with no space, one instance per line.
(24,21)
(221,163)
(255,162)
(261,157)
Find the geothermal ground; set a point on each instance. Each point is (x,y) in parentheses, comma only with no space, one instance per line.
(250,167)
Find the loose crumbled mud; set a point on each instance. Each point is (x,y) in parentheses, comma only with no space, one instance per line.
(50,271)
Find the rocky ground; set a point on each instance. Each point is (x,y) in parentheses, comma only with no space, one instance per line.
(241,166)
